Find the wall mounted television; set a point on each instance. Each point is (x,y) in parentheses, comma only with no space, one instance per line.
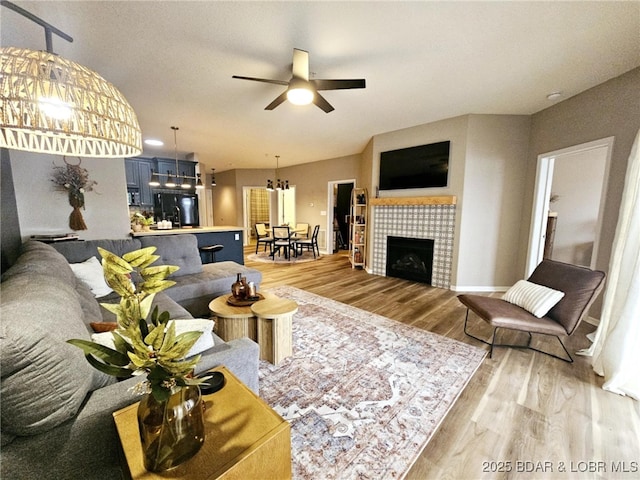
(424,166)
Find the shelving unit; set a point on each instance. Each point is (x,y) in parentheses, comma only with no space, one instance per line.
(358,227)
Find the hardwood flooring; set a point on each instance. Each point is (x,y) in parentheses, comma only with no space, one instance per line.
(523,415)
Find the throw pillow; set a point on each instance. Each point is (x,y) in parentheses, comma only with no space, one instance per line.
(534,298)
(90,272)
(100,327)
(205,342)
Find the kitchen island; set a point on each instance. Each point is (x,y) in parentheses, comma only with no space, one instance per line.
(228,236)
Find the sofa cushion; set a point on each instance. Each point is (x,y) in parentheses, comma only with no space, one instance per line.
(44,379)
(195,291)
(76,252)
(180,250)
(41,258)
(202,325)
(161,300)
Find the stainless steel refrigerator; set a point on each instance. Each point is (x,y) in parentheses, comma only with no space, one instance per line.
(179,208)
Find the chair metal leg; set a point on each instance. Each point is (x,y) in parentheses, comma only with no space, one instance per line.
(527,346)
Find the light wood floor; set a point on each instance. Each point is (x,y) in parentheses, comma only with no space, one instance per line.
(522,415)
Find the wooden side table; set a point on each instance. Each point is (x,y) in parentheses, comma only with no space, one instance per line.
(275,327)
(244,438)
(233,322)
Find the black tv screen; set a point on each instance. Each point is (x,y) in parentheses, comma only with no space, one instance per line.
(424,166)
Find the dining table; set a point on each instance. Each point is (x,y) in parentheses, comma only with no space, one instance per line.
(293,231)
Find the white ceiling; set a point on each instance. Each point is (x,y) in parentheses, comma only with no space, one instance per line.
(423,61)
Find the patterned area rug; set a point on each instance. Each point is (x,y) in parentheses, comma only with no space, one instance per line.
(363,393)
(266,258)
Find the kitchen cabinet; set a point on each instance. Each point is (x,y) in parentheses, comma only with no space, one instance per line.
(138,173)
(131,172)
(229,237)
(169,165)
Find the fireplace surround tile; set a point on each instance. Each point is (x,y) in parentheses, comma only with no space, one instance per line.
(435,222)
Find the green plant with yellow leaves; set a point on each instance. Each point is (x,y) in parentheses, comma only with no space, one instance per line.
(141,348)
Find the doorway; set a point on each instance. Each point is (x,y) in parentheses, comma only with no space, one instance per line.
(257,209)
(570,188)
(339,205)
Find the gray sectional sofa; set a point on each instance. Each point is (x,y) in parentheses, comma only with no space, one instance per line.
(56,409)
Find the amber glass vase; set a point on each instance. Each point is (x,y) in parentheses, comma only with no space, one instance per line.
(171,431)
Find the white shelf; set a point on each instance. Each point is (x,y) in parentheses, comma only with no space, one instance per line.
(358,227)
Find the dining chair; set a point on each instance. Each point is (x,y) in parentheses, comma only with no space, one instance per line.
(262,236)
(282,241)
(302,230)
(310,243)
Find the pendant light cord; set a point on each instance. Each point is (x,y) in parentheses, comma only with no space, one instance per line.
(48,28)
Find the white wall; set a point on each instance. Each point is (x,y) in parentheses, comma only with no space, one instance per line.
(44,210)
(490,206)
(452,129)
(487,159)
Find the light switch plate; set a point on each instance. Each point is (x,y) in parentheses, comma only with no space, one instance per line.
(237,236)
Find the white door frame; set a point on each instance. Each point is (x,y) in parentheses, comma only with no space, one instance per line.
(542,194)
(330,206)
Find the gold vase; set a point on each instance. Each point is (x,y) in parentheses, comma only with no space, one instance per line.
(171,431)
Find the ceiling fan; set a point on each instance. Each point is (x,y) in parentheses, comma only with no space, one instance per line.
(302,91)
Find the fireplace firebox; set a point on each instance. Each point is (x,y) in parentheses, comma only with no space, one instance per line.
(410,258)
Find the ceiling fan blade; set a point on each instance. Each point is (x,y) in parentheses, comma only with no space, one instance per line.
(281,98)
(263,80)
(338,84)
(321,102)
(300,67)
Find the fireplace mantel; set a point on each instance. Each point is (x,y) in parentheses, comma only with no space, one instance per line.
(437,200)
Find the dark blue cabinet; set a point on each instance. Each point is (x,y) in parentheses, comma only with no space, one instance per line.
(185,167)
(138,174)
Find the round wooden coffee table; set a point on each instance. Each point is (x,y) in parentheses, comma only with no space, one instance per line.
(275,327)
(233,321)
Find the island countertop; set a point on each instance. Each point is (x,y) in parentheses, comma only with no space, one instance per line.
(229,237)
(194,230)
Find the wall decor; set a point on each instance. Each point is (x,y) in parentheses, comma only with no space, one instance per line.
(73,180)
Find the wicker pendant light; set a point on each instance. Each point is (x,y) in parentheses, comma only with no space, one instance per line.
(54,105)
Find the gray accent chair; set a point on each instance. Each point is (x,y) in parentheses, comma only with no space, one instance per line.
(580,285)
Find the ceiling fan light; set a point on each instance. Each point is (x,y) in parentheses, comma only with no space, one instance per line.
(300,96)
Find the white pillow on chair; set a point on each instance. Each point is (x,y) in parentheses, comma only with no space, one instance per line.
(534,298)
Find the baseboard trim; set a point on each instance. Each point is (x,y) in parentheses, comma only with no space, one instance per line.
(477,289)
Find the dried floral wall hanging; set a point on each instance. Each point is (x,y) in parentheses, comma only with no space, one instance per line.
(74,180)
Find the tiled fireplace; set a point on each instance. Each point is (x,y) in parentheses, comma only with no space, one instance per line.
(424,221)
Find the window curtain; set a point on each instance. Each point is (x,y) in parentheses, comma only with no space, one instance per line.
(616,345)
(258,207)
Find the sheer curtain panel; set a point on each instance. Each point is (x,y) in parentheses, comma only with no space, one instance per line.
(616,346)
